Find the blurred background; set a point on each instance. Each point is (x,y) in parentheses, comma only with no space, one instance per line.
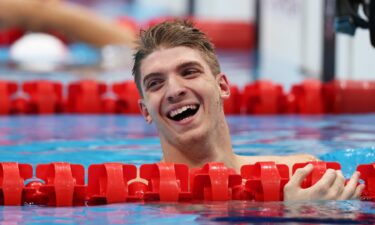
(284,41)
(291,34)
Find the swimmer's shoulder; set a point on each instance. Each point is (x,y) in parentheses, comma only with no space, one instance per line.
(300,158)
(289,160)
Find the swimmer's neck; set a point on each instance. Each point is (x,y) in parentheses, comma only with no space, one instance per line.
(227,157)
(236,161)
(212,146)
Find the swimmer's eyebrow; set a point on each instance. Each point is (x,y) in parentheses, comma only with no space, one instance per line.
(179,67)
(189,64)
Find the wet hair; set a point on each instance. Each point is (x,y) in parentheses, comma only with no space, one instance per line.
(171,34)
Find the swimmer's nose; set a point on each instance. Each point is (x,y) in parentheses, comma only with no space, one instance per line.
(175,91)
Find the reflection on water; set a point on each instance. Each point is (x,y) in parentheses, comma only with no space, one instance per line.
(231,212)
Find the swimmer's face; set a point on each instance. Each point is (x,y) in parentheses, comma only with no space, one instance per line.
(181,95)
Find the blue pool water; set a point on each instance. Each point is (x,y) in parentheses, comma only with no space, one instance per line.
(89,139)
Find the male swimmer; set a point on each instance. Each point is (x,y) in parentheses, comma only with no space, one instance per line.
(182,88)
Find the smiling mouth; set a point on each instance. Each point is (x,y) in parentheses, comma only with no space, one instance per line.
(183,112)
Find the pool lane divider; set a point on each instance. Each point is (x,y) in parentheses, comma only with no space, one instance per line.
(259,98)
(108,182)
(63,184)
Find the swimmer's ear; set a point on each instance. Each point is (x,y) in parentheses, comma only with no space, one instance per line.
(144,111)
(223,85)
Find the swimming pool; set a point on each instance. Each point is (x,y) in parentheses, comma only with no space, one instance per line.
(91,139)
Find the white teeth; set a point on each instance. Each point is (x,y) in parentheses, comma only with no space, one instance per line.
(180,110)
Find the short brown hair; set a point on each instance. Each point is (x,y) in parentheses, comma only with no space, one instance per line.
(171,34)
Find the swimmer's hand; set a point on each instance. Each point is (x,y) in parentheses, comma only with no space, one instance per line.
(330,187)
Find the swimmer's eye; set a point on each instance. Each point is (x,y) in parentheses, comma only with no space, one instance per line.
(154,84)
(190,72)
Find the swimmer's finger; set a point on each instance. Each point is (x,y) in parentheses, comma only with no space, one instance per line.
(300,175)
(293,190)
(337,188)
(358,192)
(350,187)
(327,180)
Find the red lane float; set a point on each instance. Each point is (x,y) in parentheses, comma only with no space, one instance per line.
(306,98)
(265,181)
(85,96)
(127,97)
(45,96)
(12,177)
(241,32)
(214,182)
(166,182)
(108,182)
(318,171)
(260,97)
(7,89)
(348,96)
(368,175)
(229,34)
(232,105)
(10,35)
(263,97)
(62,184)
(109,105)
(20,106)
